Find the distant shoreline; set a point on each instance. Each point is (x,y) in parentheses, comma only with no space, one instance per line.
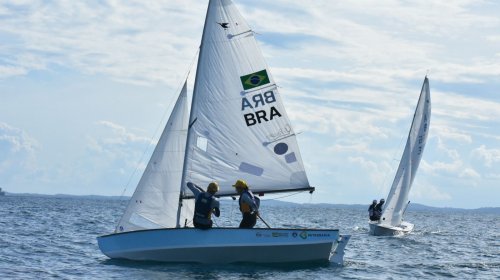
(272,202)
(68,196)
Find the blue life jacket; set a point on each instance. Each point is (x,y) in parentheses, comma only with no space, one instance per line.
(203,207)
(244,207)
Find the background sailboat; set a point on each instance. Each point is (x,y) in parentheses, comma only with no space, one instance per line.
(391,222)
(237,128)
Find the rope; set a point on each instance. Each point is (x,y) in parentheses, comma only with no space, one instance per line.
(295,193)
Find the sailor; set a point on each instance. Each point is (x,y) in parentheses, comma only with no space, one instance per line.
(249,204)
(378,209)
(205,204)
(371,210)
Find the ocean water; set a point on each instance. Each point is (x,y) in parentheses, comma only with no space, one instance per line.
(55,238)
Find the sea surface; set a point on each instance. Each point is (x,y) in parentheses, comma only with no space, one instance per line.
(55,238)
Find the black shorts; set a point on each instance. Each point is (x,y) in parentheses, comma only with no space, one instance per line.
(249,220)
(202,226)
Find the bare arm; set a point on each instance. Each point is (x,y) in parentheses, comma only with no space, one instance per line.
(216,207)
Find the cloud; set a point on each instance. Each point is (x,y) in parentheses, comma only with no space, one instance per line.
(101,38)
(115,146)
(378,39)
(349,74)
(447,133)
(495,177)
(9,71)
(15,140)
(379,173)
(453,165)
(469,173)
(17,152)
(121,135)
(429,192)
(487,156)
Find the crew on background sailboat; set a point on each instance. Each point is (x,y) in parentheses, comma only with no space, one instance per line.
(205,204)
(371,211)
(378,209)
(249,204)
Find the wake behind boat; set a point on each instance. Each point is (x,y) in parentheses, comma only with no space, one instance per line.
(391,221)
(237,128)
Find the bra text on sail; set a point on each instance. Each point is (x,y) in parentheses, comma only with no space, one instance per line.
(256,101)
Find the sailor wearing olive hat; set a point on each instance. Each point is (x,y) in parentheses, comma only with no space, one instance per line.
(205,204)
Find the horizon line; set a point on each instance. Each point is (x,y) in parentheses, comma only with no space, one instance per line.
(228,198)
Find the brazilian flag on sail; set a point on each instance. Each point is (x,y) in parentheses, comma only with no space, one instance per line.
(254,80)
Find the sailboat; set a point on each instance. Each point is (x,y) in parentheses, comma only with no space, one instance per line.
(237,129)
(391,221)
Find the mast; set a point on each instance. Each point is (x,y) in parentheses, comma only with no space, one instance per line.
(191,122)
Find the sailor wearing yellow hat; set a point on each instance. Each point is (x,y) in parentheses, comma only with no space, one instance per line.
(249,204)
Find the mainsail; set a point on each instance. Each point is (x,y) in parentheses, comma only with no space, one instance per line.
(238,125)
(155,200)
(417,137)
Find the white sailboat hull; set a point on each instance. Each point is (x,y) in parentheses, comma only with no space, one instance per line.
(379,229)
(225,245)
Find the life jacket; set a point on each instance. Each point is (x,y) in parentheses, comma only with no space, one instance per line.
(203,207)
(244,206)
(371,210)
(377,212)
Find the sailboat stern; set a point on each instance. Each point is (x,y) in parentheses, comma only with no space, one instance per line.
(338,250)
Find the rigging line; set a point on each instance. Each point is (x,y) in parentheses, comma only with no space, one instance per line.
(279,139)
(185,77)
(288,195)
(232,208)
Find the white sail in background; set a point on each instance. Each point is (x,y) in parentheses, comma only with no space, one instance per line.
(398,195)
(238,124)
(156,198)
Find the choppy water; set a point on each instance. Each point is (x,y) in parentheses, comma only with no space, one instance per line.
(55,238)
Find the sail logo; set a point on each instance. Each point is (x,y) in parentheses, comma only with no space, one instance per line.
(256,101)
(254,80)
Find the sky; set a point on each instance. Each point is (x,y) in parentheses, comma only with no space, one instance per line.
(87,86)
